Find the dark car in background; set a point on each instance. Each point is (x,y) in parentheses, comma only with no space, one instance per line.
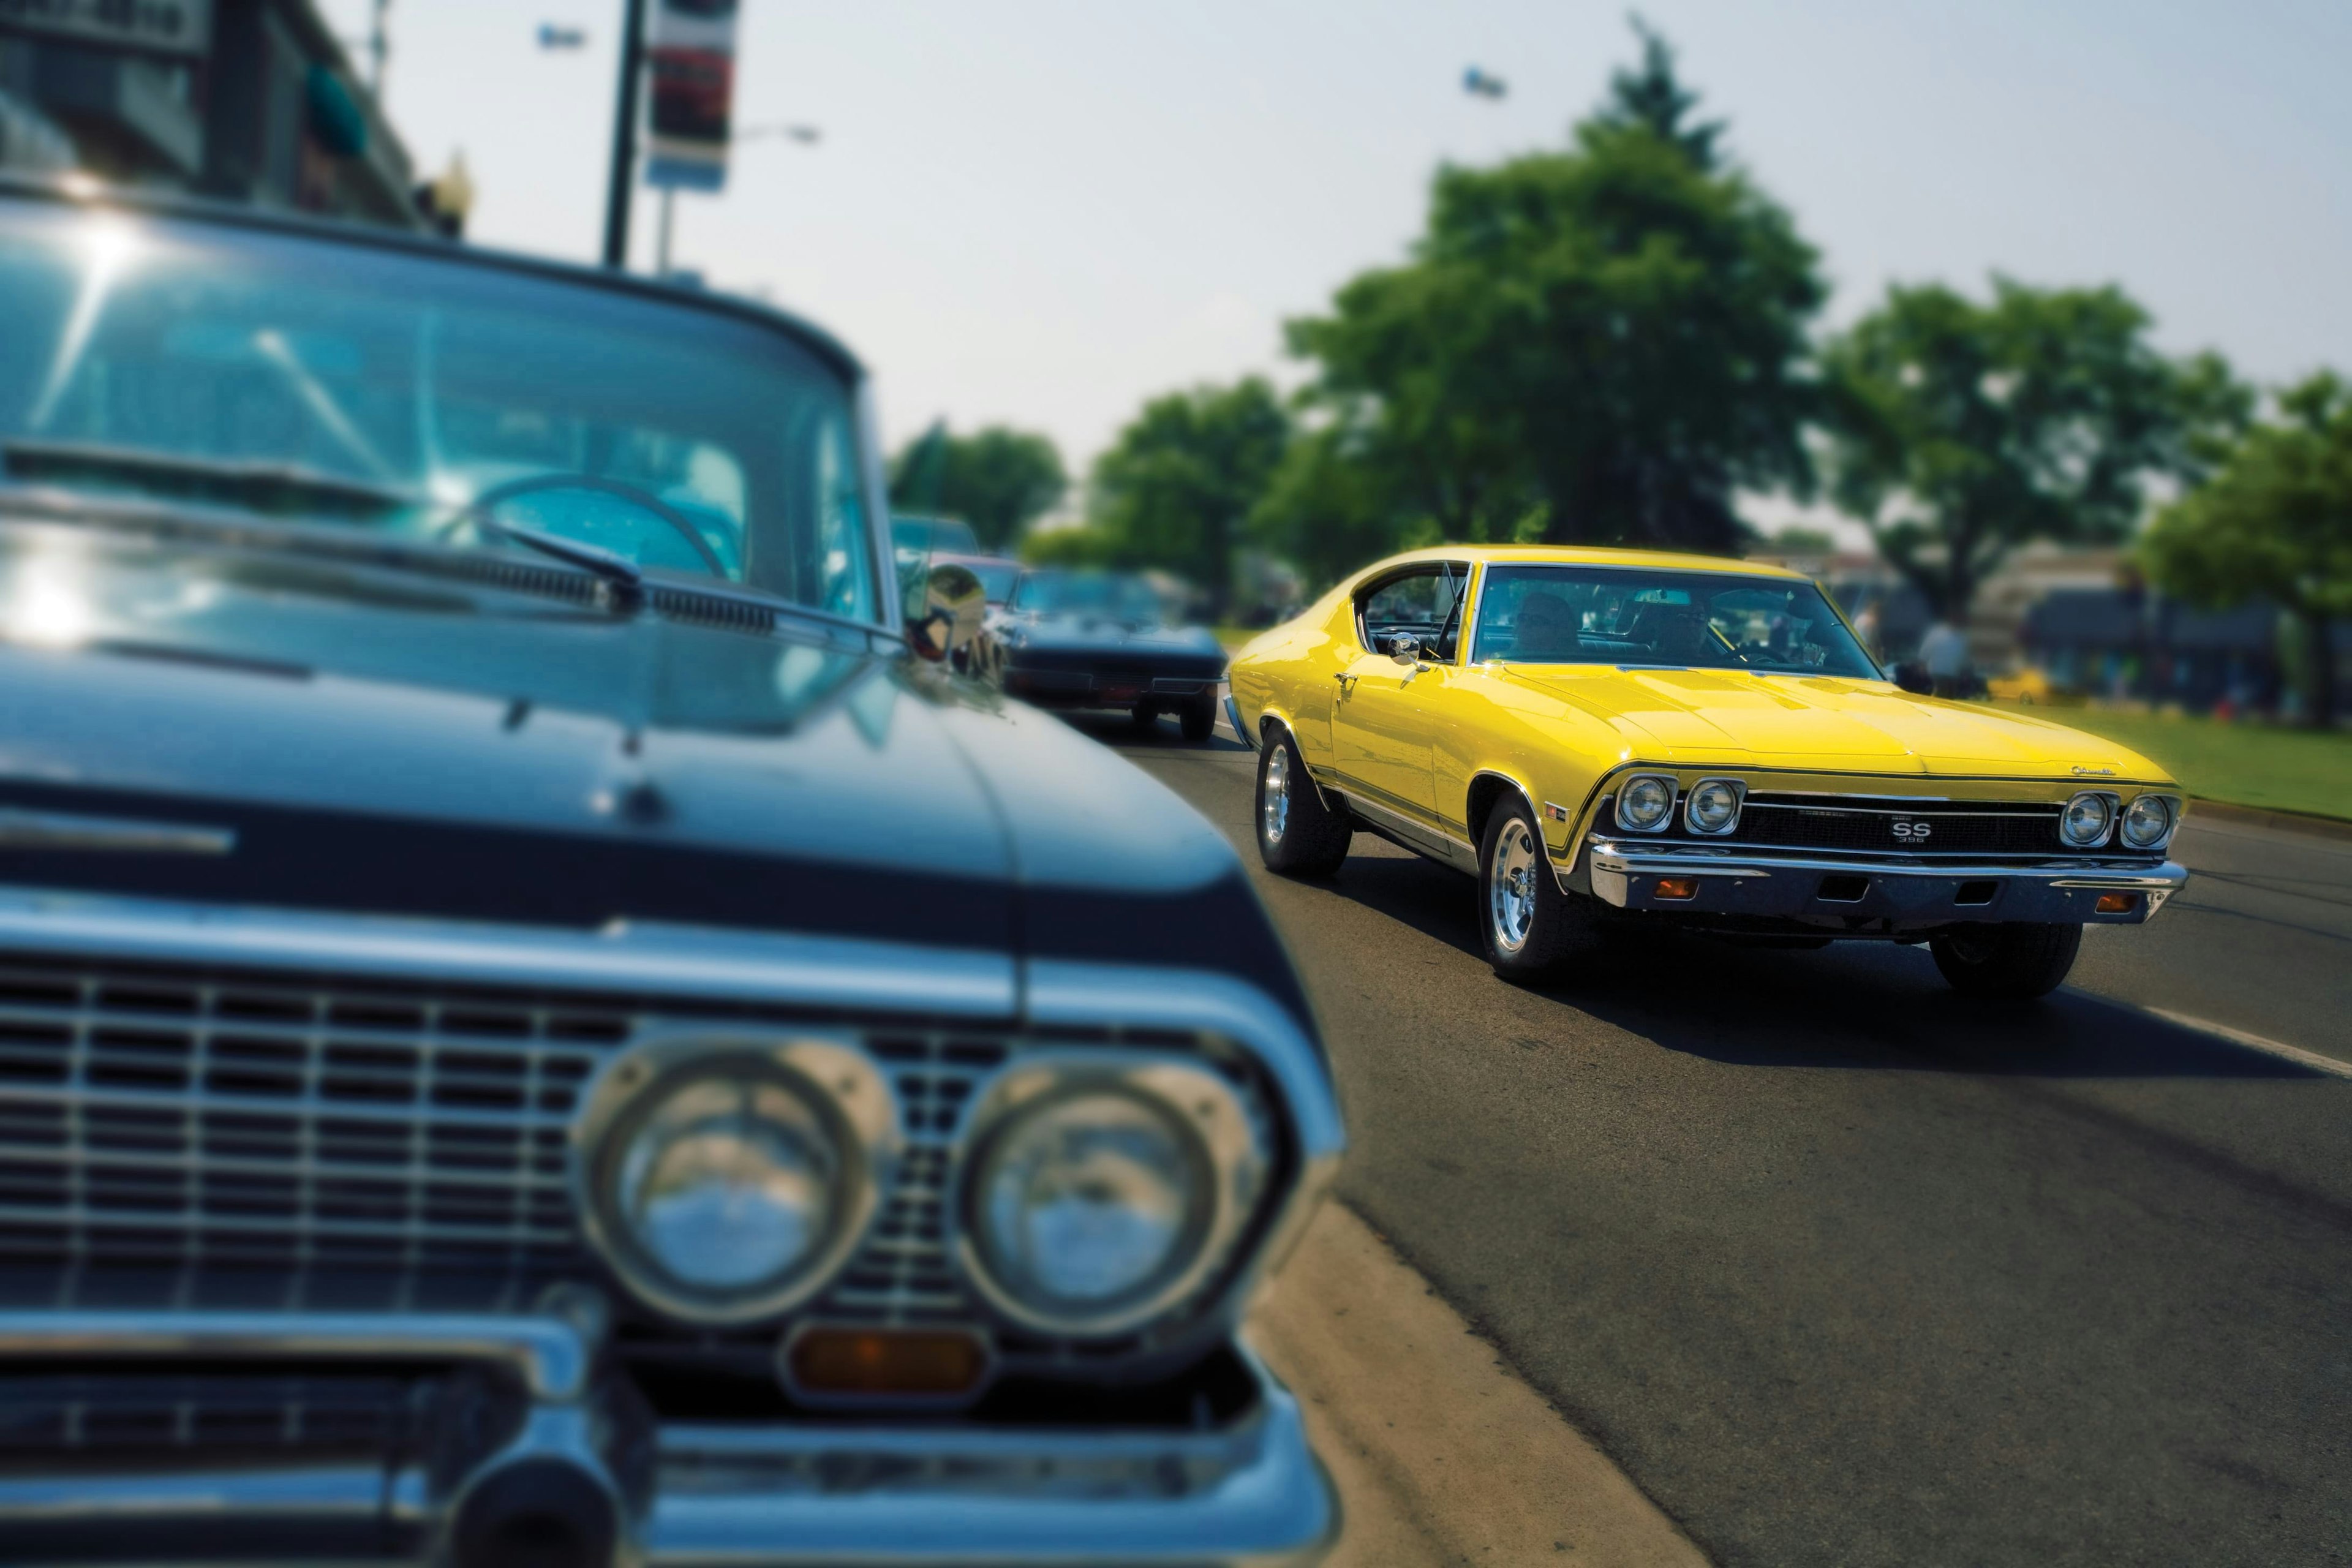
(532,1029)
(1103,639)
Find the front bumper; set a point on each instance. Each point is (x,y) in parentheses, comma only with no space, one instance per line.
(1086,689)
(1861,894)
(632,1490)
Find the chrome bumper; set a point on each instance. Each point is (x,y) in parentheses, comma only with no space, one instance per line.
(1835,893)
(803,1493)
(1233,717)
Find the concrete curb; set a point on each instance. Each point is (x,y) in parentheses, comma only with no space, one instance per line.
(2199,808)
(1442,1453)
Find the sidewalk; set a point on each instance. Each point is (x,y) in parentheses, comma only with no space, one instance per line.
(1442,1455)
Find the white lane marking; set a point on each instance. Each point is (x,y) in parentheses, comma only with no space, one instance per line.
(2256,1043)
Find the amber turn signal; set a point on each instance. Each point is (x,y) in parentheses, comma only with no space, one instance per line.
(1677,888)
(2119,904)
(873,1362)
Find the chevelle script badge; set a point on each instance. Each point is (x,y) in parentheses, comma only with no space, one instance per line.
(109,835)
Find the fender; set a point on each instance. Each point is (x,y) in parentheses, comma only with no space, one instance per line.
(1271,719)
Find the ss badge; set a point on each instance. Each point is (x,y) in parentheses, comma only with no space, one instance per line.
(1913,832)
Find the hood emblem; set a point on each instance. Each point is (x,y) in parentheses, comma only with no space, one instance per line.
(109,835)
(2082,773)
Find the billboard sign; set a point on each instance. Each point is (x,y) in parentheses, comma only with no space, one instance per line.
(691,53)
(156,26)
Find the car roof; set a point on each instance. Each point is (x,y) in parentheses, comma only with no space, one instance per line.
(1585,555)
(90,195)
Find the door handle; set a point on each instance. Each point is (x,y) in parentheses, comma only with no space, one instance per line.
(1347,682)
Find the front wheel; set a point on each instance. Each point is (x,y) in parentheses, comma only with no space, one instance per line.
(1532,930)
(2016,960)
(1298,834)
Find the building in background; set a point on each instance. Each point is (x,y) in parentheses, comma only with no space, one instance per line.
(247,101)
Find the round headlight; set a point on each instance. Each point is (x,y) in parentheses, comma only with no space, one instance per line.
(1713,806)
(2085,820)
(1089,1201)
(2146,821)
(1645,803)
(726,1187)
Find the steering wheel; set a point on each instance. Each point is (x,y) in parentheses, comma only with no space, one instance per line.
(478,510)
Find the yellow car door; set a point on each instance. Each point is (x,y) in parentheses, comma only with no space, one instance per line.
(1380,723)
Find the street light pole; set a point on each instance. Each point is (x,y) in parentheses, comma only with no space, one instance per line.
(624,135)
(661,247)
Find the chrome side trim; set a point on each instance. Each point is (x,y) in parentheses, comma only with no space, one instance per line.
(1060,992)
(1233,717)
(674,960)
(552,1355)
(109,835)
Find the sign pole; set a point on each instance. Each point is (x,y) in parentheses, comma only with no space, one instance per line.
(624,135)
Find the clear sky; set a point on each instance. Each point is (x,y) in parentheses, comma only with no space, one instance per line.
(1041,211)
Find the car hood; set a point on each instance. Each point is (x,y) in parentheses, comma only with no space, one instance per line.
(380,743)
(1836,724)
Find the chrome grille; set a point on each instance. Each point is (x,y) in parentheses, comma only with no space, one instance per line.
(197,1139)
(46,1415)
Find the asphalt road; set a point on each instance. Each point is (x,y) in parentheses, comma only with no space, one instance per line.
(1842,1269)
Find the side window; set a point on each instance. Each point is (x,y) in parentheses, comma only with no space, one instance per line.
(1421,605)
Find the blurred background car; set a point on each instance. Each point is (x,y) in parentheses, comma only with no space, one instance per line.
(1102,639)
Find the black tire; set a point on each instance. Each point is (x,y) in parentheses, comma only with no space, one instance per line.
(1200,719)
(1300,836)
(1531,930)
(2015,961)
(1143,715)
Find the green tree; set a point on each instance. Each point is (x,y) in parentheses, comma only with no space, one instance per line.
(1615,332)
(997,480)
(1959,430)
(1181,482)
(2275,521)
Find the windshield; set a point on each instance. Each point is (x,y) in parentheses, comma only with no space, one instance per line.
(1088,593)
(996,579)
(1690,620)
(342,384)
(933,536)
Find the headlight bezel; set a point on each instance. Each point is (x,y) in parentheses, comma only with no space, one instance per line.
(843,1090)
(1205,1106)
(1739,788)
(2172,806)
(2109,814)
(1665,818)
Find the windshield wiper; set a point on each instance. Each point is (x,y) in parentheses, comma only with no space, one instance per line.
(627,579)
(269,489)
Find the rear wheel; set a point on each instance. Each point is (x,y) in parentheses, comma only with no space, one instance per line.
(2016,960)
(1532,930)
(1298,834)
(1143,715)
(1200,719)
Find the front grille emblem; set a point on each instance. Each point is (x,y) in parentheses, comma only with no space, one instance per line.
(109,835)
(1913,832)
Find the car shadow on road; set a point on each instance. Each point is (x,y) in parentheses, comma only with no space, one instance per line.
(1852,1006)
(1162,734)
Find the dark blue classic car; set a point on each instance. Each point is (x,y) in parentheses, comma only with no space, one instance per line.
(1101,640)
(533,1028)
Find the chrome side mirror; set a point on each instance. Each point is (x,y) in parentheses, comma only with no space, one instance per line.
(949,617)
(1405,649)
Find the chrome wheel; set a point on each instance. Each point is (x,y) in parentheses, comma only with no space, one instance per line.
(1511,887)
(1274,811)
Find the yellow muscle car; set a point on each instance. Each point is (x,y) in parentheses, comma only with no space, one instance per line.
(1611,738)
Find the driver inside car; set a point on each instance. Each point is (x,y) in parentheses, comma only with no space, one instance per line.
(1547,629)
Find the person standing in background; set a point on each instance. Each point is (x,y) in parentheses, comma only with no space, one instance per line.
(1944,651)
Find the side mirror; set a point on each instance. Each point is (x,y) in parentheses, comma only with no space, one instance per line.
(1405,649)
(949,614)
(1913,677)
